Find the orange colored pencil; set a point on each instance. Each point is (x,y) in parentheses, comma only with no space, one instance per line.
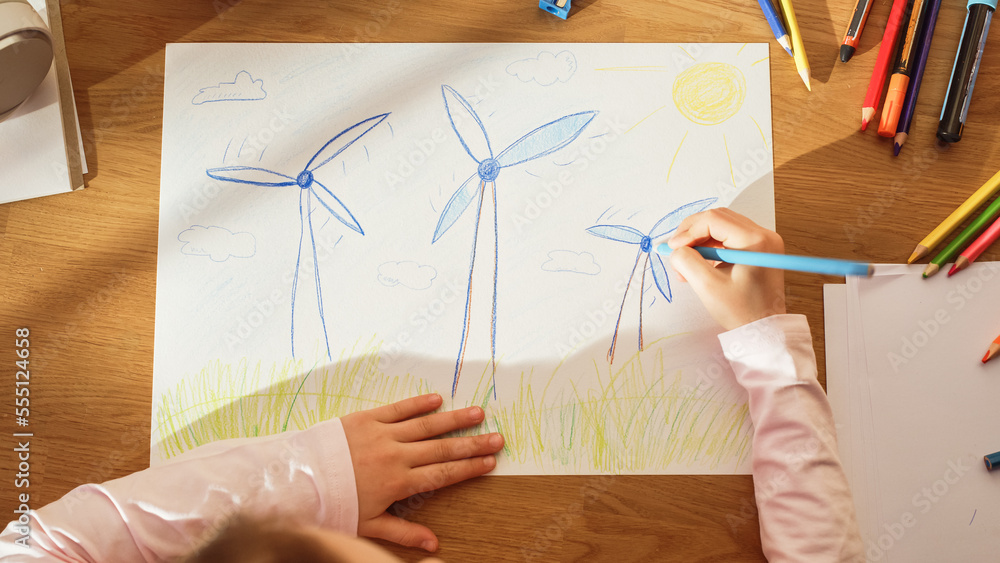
(885,52)
(977,247)
(994,348)
(900,79)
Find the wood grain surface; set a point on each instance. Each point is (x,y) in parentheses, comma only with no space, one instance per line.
(79,269)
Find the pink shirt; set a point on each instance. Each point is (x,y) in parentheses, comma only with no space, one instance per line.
(165,512)
(805,507)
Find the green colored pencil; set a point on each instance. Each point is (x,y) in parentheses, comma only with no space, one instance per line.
(964,238)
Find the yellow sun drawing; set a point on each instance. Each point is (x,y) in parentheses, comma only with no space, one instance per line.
(706,94)
(709,93)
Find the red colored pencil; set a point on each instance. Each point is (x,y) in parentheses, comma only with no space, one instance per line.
(977,247)
(885,53)
(994,348)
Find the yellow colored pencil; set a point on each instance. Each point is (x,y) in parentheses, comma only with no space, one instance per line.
(984,193)
(798,49)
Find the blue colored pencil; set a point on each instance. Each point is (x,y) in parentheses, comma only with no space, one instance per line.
(778,28)
(828,266)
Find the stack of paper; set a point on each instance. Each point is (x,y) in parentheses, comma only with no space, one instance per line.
(43,151)
(915,409)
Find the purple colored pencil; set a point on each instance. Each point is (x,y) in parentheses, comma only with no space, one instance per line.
(910,104)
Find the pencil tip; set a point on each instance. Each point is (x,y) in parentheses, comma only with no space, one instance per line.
(895,149)
(986,358)
(919,252)
(931,270)
(804,73)
(864,124)
(785,44)
(952,271)
(846,52)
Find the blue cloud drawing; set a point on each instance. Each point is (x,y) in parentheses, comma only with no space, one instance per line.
(406,274)
(545,69)
(243,89)
(569,261)
(217,243)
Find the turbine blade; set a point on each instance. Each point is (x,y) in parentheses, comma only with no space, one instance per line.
(342,140)
(547,139)
(336,208)
(673,219)
(458,203)
(620,233)
(660,276)
(467,125)
(250,176)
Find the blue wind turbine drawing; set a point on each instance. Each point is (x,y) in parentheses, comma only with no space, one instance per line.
(310,191)
(631,235)
(471,132)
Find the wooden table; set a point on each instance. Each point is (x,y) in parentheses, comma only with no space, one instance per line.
(80,269)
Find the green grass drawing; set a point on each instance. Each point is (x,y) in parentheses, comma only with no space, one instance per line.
(639,418)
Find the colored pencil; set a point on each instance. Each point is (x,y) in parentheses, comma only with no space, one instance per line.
(994,348)
(992,461)
(991,187)
(969,255)
(900,80)
(963,238)
(777,28)
(885,52)
(798,48)
(910,105)
(852,37)
(828,266)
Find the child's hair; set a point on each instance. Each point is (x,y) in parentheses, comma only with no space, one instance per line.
(246,540)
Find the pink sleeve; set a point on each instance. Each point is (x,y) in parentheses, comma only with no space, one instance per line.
(805,506)
(164,512)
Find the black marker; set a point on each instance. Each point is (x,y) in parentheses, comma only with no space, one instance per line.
(963,74)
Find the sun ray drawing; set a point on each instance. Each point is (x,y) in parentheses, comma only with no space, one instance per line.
(311,191)
(471,132)
(653,261)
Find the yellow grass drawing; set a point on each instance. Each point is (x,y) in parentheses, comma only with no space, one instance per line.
(639,418)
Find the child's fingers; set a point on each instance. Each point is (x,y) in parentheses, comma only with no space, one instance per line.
(453,449)
(438,423)
(402,410)
(700,273)
(392,528)
(440,475)
(727,227)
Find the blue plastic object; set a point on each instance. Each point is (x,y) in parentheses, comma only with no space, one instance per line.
(552,7)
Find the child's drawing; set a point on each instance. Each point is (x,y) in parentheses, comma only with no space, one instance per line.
(631,235)
(709,93)
(407,274)
(546,69)
(242,89)
(218,243)
(569,261)
(402,283)
(540,142)
(307,184)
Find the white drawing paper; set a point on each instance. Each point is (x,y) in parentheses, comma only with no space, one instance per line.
(342,226)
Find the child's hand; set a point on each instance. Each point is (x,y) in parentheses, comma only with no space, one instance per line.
(394,457)
(733,294)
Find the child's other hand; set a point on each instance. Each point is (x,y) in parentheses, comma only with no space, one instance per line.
(394,457)
(733,294)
